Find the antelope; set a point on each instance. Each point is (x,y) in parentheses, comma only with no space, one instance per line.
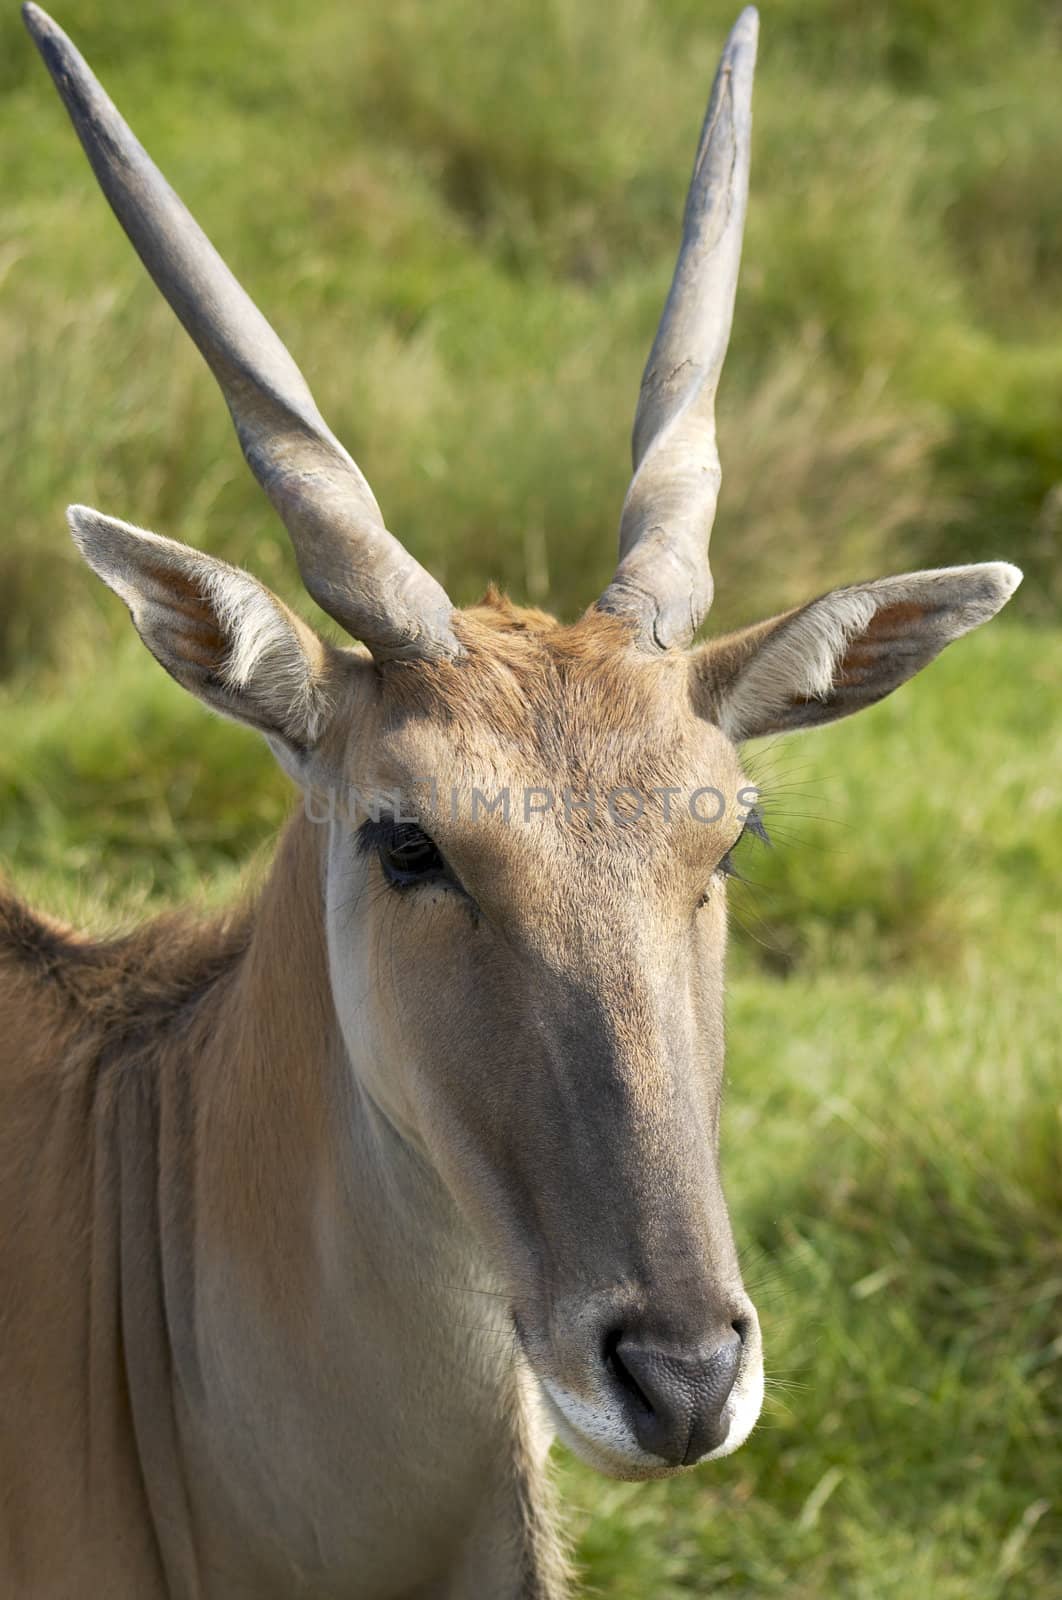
(321,1218)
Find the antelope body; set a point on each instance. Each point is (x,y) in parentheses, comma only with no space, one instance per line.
(318,1222)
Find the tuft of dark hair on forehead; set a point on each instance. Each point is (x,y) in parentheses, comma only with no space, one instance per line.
(504,640)
(520,656)
(502,612)
(577,697)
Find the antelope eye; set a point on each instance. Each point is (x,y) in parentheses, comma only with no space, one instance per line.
(409,856)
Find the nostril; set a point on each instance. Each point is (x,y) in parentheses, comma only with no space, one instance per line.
(742,1327)
(620,1372)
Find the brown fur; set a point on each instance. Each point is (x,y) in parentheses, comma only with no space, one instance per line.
(135,984)
(577,704)
(517,661)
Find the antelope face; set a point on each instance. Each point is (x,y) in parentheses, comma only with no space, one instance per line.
(544,981)
(536,1002)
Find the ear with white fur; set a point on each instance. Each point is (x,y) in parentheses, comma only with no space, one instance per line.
(843,651)
(217,630)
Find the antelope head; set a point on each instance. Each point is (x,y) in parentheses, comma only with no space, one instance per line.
(526,942)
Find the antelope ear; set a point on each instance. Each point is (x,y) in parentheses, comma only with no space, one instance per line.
(844,651)
(217,630)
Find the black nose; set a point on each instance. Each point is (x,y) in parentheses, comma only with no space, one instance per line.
(674,1395)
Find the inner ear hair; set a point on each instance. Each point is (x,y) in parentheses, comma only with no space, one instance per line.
(843,651)
(218,631)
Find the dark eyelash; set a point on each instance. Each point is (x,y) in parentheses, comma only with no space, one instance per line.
(754,824)
(379,832)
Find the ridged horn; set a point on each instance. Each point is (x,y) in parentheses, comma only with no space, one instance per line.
(663,582)
(350,564)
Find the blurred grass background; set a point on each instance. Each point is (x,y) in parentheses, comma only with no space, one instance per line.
(462,219)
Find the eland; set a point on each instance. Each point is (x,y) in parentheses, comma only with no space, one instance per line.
(320,1219)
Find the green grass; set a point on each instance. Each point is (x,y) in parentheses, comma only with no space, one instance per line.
(463,220)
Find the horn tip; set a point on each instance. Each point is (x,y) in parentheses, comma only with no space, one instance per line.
(745,32)
(38,23)
(55,48)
